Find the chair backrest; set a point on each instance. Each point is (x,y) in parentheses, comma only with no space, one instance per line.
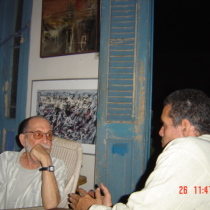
(71,153)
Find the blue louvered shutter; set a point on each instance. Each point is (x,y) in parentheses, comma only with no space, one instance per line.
(124,111)
(15,19)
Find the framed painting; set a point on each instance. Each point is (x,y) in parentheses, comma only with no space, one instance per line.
(69,27)
(71,108)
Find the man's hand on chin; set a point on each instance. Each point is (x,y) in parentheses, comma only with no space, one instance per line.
(40,154)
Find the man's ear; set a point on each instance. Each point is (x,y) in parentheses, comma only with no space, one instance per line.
(22,139)
(187,128)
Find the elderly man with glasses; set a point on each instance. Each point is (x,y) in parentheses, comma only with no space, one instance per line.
(32,177)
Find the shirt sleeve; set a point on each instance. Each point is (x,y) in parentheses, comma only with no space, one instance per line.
(3,186)
(118,206)
(61,175)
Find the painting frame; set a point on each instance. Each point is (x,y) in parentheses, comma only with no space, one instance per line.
(69,27)
(70,85)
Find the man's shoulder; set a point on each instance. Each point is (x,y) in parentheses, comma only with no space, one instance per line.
(7,154)
(196,146)
(186,150)
(8,158)
(190,141)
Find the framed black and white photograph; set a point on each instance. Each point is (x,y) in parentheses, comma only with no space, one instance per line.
(71,108)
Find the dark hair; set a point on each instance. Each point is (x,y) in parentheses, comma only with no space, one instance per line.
(24,124)
(190,104)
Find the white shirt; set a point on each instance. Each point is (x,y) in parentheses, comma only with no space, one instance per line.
(10,169)
(178,180)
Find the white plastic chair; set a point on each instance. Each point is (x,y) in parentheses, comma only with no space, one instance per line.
(71,153)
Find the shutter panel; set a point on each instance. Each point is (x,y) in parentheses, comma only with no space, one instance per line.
(124,111)
(14,53)
(121,61)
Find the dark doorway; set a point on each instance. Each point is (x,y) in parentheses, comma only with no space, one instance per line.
(181,52)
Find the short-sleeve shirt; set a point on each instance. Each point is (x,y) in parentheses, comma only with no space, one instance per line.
(13,176)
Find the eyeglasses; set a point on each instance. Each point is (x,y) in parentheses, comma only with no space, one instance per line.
(39,134)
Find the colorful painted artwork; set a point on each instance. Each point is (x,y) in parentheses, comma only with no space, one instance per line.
(69,27)
(72,113)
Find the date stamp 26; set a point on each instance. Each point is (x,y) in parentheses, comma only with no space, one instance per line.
(196,189)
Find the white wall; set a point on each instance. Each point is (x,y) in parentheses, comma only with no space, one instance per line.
(61,67)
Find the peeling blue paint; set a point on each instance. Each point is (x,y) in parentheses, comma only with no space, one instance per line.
(120,149)
(10,141)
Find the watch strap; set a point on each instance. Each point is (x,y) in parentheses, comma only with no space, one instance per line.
(49,168)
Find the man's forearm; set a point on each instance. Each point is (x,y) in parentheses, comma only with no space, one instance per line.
(50,192)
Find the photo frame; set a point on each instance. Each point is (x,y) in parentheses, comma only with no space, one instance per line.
(69,27)
(71,108)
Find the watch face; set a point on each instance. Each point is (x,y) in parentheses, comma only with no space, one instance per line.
(51,168)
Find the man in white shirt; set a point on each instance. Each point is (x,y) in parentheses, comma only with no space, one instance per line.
(181,178)
(32,177)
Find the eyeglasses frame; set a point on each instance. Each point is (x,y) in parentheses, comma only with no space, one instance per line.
(53,137)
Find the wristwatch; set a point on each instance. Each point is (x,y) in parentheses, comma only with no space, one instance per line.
(49,168)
